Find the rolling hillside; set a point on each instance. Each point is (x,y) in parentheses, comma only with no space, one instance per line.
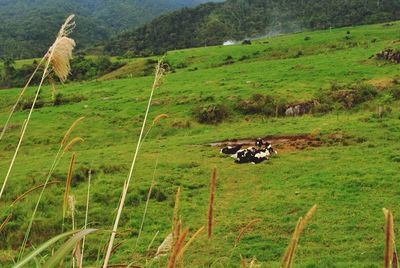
(212,24)
(27,26)
(342,155)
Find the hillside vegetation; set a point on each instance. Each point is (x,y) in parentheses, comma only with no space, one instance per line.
(212,24)
(342,154)
(26,26)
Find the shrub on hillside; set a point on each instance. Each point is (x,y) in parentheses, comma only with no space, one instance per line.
(211,114)
(60,99)
(261,104)
(346,96)
(395,93)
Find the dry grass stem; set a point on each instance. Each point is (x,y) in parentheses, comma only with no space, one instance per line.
(177,248)
(191,240)
(22,196)
(245,229)
(243,262)
(211,202)
(72,143)
(158,75)
(159,117)
(153,183)
(389,239)
(69,131)
(68,183)
(86,216)
(19,99)
(5,222)
(62,48)
(287,259)
(152,240)
(175,228)
(165,247)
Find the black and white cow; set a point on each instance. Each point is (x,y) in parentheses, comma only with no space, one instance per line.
(231,149)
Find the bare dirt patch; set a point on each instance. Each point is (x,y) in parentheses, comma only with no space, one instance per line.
(285,143)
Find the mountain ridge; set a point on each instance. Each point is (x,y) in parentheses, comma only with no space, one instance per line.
(27,27)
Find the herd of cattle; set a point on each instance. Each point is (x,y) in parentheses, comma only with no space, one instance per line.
(253,155)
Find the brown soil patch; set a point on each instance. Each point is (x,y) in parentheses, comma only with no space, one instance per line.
(286,143)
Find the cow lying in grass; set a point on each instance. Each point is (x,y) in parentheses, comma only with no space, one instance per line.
(251,154)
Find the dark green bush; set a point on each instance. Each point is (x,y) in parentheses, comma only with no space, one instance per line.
(395,93)
(261,104)
(211,114)
(60,99)
(346,96)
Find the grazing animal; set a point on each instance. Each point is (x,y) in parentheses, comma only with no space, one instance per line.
(231,149)
(271,150)
(251,155)
(259,143)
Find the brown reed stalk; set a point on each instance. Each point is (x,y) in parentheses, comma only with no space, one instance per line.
(389,238)
(56,160)
(69,131)
(68,183)
(177,248)
(22,196)
(157,79)
(155,121)
(175,221)
(243,262)
(5,222)
(287,259)
(72,143)
(58,57)
(191,240)
(158,118)
(211,202)
(244,230)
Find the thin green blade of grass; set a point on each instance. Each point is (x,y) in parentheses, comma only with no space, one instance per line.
(66,248)
(41,248)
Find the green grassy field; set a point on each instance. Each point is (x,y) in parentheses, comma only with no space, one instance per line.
(350,179)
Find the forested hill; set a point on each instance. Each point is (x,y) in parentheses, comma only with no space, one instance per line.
(211,24)
(28,26)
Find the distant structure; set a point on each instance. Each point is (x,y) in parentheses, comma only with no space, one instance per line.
(228,43)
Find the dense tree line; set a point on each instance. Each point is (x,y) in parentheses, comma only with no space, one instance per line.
(28,27)
(82,68)
(213,23)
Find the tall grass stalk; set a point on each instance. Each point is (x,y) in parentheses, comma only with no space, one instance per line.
(287,259)
(177,249)
(58,57)
(21,197)
(158,75)
(175,221)
(3,131)
(68,184)
(86,216)
(211,202)
(147,203)
(390,257)
(56,161)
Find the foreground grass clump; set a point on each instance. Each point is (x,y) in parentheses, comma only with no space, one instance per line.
(350,181)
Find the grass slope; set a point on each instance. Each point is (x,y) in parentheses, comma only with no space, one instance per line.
(350,180)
